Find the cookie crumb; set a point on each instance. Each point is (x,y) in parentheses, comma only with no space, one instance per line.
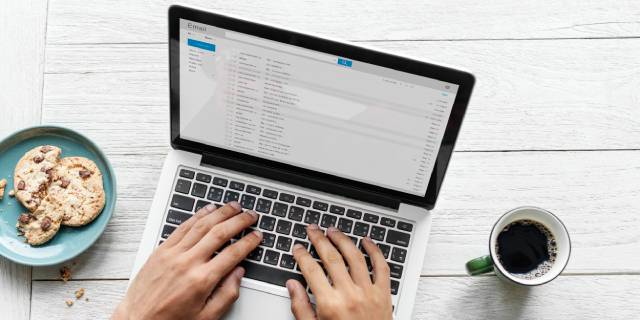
(86,299)
(3,184)
(65,274)
(12,193)
(79,293)
(69,303)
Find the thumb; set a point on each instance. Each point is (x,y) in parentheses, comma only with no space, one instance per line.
(300,304)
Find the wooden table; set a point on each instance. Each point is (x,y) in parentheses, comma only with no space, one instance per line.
(554,122)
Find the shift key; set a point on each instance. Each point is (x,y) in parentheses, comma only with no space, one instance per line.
(182,202)
(398,238)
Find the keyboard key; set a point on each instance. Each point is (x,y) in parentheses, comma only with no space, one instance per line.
(303,202)
(287,197)
(270,193)
(345,225)
(256,254)
(247,201)
(328,220)
(167,230)
(398,238)
(367,260)
(203,177)
(283,227)
(313,252)
(312,217)
(296,213)
(177,217)
(268,239)
(235,185)
(183,186)
(284,243)
(254,189)
(299,231)
(398,255)
(287,261)
(320,206)
(182,202)
(220,181)
(199,190)
(271,257)
(354,214)
(231,196)
(187,173)
(385,249)
(405,226)
(387,222)
(302,243)
(336,210)
(200,204)
(280,209)
(377,233)
(215,194)
(160,242)
(267,223)
(395,270)
(263,205)
(361,229)
(268,274)
(354,240)
(394,287)
(368,217)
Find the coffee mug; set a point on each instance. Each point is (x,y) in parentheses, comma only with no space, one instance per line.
(528,246)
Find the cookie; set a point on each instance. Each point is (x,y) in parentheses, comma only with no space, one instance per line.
(77,186)
(40,226)
(33,174)
(3,184)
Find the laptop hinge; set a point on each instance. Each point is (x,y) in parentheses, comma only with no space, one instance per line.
(242,165)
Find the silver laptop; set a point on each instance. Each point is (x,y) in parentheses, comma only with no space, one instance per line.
(303,129)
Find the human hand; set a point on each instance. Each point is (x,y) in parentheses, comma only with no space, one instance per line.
(350,294)
(181,280)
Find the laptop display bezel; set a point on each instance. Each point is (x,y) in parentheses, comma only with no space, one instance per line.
(300,176)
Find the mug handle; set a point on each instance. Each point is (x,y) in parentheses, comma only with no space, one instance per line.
(479,265)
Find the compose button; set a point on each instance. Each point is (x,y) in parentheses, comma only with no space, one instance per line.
(202,45)
(345,62)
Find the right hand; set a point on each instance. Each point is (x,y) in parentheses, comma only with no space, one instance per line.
(351,294)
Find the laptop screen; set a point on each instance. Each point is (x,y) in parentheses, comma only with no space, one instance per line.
(310,109)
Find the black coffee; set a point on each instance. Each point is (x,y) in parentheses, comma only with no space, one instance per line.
(526,249)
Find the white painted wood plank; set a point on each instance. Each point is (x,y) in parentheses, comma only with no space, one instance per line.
(108,21)
(568,297)
(594,193)
(22,34)
(530,95)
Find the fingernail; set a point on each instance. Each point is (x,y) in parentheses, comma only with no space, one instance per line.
(331,229)
(297,246)
(240,272)
(290,286)
(210,207)
(257,233)
(367,239)
(252,213)
(313,227)
(235,205)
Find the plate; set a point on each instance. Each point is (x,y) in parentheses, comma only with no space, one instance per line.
(69,242)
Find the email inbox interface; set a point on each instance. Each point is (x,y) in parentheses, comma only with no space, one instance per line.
(309,109)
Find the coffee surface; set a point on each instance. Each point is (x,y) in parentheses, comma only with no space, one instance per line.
(526,249)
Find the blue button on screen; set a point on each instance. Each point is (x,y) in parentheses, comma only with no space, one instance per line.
(202,45)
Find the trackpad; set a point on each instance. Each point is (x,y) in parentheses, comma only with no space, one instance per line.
(254,304)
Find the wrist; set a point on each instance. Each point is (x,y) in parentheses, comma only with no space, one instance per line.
(121,312)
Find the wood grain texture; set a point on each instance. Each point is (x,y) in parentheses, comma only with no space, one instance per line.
(530,95)
(22,34)
(107,21)
(594,193)
(568,297)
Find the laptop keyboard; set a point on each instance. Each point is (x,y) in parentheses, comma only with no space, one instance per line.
(283,218)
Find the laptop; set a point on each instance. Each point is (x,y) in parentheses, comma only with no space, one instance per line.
(304,130)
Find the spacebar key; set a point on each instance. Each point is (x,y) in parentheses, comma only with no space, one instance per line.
(270,275)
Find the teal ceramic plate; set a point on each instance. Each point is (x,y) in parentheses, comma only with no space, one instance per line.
(69,242)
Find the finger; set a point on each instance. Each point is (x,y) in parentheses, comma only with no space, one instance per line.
(223,296)
(331,258)
(380,266)
(184,228)
(202,226)
(300,304)
(311,271)
(231,256)
(221,233)
(355,258)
